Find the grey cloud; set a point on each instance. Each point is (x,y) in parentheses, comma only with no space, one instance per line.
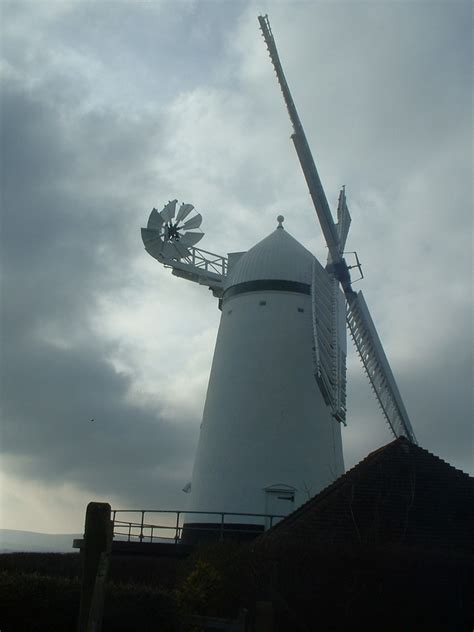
(438,396)
(51,397)
(64,246)
(377,86)
(126,108)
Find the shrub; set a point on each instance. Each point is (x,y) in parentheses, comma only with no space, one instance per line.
(31,602)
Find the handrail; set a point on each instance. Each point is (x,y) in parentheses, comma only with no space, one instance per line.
(141,530)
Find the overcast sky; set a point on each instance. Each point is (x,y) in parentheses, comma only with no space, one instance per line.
(111,108)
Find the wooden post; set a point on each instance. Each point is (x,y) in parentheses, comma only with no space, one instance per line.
(95,561)
(265,619)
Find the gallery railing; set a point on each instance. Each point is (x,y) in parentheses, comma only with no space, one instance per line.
(156,525)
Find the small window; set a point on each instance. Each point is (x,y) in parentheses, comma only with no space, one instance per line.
(301,309)
(263,303)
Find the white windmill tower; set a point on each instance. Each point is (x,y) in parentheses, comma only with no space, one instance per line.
(271,429)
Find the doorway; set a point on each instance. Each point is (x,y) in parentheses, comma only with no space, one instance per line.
(279,502)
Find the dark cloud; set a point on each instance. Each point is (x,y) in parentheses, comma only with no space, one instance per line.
(63,246)
(54,221)
(51,396)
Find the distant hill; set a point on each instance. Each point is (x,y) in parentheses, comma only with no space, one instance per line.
(12,541)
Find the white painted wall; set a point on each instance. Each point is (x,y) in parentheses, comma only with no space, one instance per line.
(265,422)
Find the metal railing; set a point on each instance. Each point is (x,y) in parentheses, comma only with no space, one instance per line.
(208,261)
(170,527)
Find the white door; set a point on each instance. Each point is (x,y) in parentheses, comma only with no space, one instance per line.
(279,501)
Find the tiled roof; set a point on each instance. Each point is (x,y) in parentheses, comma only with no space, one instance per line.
(398,495)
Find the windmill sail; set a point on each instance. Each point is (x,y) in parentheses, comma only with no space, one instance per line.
(329,355)
(377,367)
(302,149)
(359,321)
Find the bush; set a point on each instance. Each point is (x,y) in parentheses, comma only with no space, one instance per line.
(51,564)
(31,602)
(217,581)
(41,592)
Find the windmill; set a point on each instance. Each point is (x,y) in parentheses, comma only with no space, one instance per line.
(271,430)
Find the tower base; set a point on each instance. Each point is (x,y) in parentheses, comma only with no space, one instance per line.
(199,532)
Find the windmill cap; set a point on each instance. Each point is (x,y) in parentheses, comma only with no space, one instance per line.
(277,257)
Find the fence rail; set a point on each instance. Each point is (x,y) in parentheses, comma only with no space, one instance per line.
(167,525)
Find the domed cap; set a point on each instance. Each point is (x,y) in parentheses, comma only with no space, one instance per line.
(277,257)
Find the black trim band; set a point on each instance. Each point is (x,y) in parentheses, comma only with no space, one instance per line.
(267,285)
